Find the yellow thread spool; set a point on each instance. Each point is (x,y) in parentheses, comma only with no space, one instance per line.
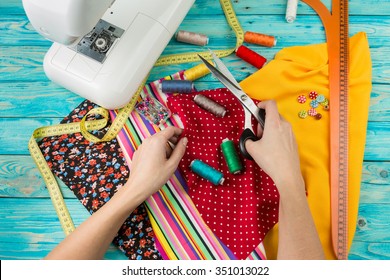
(197,72)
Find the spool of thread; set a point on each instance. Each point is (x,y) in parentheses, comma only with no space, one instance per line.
(251,57)
(192,38)
(196,72)
(207,172)
(259,39)
(210,105)
(291,10)
(231,156)
(176,86)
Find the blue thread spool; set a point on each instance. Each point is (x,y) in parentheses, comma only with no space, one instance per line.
(206,171)
(176,86)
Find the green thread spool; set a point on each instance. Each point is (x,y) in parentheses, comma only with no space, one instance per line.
(231,156)
(206,171)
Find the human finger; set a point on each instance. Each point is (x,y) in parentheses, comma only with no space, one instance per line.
(170,132)
(178,153)
(271,110)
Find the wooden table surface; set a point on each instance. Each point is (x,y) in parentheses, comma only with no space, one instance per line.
(29,228)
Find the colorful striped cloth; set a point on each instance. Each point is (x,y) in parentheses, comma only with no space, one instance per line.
(180,232)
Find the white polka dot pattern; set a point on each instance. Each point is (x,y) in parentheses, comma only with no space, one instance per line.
(245,207)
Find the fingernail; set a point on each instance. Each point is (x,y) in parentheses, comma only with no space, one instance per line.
(185,141)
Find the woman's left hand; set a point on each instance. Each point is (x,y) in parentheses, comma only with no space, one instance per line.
(154,161)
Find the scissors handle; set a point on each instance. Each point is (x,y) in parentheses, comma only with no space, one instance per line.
(248,134)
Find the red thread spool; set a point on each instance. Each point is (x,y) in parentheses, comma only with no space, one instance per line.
(250,56)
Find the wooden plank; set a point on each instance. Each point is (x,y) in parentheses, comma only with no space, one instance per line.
(43,228)
(25,100)
(375,184)
(16,30)
(25,64)
(369,251)
(19,177)
(377,141)
(249,7)
(35,220)
(21,129)
(373,222)
(36,226)
(21,99)
(36,251)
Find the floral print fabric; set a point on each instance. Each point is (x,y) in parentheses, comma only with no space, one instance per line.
(94,172)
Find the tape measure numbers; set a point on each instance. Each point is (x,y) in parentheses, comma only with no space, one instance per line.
(85,126)
(336,29)
(51,183)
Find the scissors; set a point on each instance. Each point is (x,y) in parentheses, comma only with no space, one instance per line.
(226,78)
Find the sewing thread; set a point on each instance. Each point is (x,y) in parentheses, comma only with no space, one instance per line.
(251,57)
(176,86)
(196,72)
(259,39)
(210,105)
(192,38)
(231,156)
(207,172)
(291,10)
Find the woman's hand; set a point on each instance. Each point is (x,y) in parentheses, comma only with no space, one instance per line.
(277,151)
(277,154)
(154,161)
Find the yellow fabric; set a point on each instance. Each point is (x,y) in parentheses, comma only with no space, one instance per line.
(299,70)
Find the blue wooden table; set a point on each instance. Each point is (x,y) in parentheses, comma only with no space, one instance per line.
(29,228)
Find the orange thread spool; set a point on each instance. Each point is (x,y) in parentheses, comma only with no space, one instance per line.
(250,56)
(260,39)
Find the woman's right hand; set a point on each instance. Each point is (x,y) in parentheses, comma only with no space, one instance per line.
(277,151)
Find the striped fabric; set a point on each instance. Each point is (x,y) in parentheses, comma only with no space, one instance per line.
(181,233)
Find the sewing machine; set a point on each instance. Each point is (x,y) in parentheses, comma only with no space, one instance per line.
(103,49)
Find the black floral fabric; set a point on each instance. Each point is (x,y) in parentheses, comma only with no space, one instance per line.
(94,172)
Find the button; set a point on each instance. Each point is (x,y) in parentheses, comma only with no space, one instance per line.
(320,98)
(301,99)
(312,112)
(314,104)
(325,102)
(313,95)
(302,114)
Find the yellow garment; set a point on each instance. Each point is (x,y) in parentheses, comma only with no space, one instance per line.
(297,71)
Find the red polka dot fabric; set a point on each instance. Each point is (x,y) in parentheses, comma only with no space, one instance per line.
(242,210)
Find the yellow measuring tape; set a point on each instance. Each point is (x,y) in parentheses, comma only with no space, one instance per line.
(85,126)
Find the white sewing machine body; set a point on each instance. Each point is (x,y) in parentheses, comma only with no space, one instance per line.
(108,64)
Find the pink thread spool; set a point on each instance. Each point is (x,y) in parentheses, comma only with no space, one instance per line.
(251,57)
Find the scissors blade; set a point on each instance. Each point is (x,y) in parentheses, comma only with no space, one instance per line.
(245,100)
(224,70)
